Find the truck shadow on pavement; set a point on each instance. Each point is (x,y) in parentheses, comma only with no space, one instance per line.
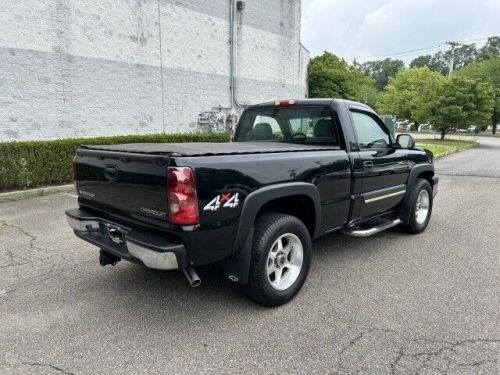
(171,290)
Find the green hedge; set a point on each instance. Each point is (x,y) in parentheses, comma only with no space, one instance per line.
(25,165)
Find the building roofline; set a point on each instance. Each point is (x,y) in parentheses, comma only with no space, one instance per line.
(307,49)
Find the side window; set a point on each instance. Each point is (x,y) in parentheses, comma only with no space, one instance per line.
(265,128)
(370,133)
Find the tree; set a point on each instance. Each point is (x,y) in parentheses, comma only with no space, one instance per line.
(461,102)
(421,61)
(437,62)
(463,55)
(489,71)
(411,93)
(490,49)
(382,70)
(440,61)
(332,77)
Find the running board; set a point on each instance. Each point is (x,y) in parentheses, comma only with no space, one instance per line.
(373,230)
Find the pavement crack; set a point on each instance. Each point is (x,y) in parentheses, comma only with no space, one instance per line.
(440,355)
(415,355)
(38,364)
(31,237)
(55,368)
(353,343)
(345,348)
(393,365)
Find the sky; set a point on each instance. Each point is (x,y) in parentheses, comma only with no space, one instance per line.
(375,29)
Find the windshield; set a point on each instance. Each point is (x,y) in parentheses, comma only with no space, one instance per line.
(310,125)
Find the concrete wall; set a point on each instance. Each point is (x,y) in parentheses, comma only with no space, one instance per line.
(100,67)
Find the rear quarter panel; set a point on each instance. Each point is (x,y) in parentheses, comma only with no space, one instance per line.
(228,175)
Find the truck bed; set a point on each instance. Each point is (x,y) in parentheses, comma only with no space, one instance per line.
(206,149)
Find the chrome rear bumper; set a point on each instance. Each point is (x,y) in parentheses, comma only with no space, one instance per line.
(138,246)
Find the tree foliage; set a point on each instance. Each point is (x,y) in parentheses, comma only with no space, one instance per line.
(421,61)
(462,102)
(489,71)
(491,49)
(332,77)
(439,62)
(382,70)
(420,93)
(410,94)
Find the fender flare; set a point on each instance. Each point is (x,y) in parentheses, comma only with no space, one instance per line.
(414,173)
(237,268)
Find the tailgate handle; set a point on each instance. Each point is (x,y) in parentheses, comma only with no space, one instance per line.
(111,173)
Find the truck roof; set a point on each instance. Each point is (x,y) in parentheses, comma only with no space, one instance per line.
(311,102)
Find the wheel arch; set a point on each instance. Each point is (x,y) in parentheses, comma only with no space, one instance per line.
(301,206)
(275,195)
(265,199)
(427,175)
(424,171)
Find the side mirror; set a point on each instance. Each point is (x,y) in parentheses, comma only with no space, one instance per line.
(405,141)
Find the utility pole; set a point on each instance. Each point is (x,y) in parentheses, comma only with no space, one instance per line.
(453,45)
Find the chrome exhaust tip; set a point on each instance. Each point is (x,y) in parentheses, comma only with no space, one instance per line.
(192,277)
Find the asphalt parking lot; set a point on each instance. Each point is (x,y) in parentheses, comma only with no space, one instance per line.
(393,303)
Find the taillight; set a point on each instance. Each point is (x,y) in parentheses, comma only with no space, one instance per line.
(182,199)
(74,176)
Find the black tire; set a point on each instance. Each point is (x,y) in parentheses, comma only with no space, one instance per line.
(268,229)
(414,226)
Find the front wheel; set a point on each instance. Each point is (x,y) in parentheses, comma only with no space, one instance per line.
(281,256)
(420,207)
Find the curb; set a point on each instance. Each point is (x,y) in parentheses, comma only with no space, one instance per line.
(32,193)
(447,153)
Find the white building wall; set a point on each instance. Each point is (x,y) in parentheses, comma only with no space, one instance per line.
(101,67)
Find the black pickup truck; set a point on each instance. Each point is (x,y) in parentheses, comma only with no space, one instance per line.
(295,170)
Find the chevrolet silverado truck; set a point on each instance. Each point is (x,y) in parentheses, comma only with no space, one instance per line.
(295,170)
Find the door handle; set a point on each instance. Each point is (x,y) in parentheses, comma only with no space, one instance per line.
(368,164)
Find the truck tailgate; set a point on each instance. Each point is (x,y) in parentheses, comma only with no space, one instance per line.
(130,182)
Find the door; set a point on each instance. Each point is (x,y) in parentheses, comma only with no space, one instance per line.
(381,168)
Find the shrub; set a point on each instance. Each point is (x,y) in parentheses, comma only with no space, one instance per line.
(31,164)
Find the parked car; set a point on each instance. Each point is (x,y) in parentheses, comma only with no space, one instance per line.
(474,129)
(423,127)
(404,125)
(253,205)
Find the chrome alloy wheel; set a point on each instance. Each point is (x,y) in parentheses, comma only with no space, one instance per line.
(422,206)
(284,261)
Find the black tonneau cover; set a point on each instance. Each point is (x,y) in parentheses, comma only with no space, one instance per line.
(206,149)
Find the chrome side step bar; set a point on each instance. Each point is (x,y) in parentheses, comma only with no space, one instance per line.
(373,230)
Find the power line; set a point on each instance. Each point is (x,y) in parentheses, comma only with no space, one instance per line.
(421,50)
(402,52)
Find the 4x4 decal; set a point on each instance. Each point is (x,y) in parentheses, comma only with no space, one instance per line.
(224,199)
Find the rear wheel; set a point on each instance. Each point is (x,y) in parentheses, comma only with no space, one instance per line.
(281,256)
(419,206)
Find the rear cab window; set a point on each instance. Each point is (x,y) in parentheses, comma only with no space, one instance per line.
(306,125)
